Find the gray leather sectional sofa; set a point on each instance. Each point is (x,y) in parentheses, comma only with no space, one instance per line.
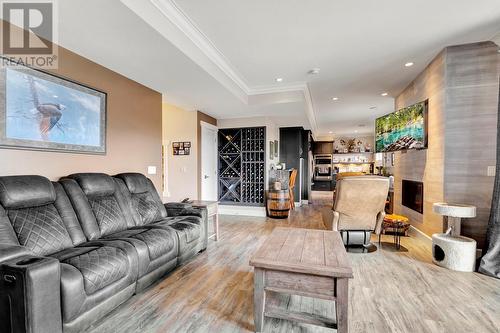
(73,250)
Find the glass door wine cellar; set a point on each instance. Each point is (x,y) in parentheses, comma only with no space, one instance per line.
(242,167)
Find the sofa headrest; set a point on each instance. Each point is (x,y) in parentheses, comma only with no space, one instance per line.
(95,184)
(26,191)
(135,182)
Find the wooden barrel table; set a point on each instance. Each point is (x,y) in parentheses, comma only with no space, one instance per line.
(278,204)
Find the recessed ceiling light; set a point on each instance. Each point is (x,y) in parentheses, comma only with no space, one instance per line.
(409,64)
(279,79)
(330,132)
(314,71)
(356,131)
(335,98)
(384,94)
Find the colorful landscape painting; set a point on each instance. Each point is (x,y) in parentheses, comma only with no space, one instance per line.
(43,111)
(403,129)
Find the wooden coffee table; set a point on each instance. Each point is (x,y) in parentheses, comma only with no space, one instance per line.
(303,262)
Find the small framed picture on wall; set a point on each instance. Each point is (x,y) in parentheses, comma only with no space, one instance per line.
(181,148)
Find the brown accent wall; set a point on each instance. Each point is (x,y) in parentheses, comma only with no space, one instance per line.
(461,84)
(200,116)
(134,137)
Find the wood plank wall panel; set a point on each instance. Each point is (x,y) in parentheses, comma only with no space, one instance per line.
(471,125)
(461,84)
(424,165)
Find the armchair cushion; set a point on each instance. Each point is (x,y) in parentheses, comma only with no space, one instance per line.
(360,203)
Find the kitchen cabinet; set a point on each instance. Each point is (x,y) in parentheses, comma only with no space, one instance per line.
(322,147)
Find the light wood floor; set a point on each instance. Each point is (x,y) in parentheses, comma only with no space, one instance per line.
(391,291)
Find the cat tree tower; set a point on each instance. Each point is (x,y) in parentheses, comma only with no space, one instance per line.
(450,249)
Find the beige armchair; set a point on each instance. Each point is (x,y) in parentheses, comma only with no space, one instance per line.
(359,209)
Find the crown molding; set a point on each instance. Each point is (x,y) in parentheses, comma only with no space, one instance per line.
(175,15)
(175,26)
(311,116)
(277,88)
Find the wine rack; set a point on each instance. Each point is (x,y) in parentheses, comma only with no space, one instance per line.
(242,153)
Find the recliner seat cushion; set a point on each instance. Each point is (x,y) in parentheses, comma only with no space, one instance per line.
(94,273)
(189,234)
(40,229)
(108,217)
(188,231)
(100,267)
(158,241)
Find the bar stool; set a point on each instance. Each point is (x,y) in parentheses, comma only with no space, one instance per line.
(293,176)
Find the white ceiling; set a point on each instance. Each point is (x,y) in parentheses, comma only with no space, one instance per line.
(120,40)
(222,57)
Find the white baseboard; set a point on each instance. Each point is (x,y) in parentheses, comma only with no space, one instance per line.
(305,202)
(242,210)
(415,232)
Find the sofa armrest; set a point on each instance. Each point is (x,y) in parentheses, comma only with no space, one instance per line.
(182,209)
(335,222)
(32,284)
(380,220)
(330,219)
(10,252)
(176,209)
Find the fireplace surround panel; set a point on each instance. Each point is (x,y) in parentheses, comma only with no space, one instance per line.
(413,195)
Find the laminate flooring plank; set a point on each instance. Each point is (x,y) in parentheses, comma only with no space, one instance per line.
(391,292)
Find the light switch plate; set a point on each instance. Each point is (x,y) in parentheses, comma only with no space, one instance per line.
(151,170)
(491,171)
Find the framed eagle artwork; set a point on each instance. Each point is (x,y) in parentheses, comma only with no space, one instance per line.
(42,111)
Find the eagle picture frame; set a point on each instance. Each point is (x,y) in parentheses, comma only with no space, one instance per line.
(43,111)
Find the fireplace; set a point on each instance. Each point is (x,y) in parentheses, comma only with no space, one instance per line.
(413,195)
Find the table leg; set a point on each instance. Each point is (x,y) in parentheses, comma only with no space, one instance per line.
(341,304)
(259,299)
(398,239)
(216,226)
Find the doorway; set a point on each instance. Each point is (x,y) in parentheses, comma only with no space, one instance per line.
(208,162)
